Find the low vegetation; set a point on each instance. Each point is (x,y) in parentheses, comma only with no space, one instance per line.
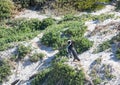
(61,6)
(100,75)
(47,22)
(41,77)
(36,57)
(56,36)
(118,53)
(116,38)
(21,30)
(4,70)
(118,4)
(6,9)
(87,17)
(59,74)
(105,45)
(97,81)
(23,51)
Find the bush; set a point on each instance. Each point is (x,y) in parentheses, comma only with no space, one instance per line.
(105,45)
(14,58)
(32,24)
(5,47)
(68,17)
(81,5)
(18,30)
(36,56)
(47,22)
(41,77)
(118,53)
(4,70)
(24,24)
(23,51)
(6,9)
(56,36)
(115,38)
(108,73)
(28,3)
(60,74)
(86,17)
(63,6)
(22,3)
(117,4)
(82,44)
(97,81)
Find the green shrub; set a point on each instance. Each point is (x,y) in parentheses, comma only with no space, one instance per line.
(60,74)
(15,22)
(28,3)
(6,9)
(41,77)
(23,51)
(22,3)
(14,58)
(64,6)
(105,45)
(108,74)
(32,24)
(97,81)
(117,4)
(59,58)
(5,47)
(115,38)
(68,17)
(81,5)
(86,17)
(37,56)
(107,71)
(118,53)
(4,70)
(56,36)
(13,36)
(47,22)
(18,30)
(103,17)
(82,44)
(23,23)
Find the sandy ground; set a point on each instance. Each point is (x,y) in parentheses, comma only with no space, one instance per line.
(107,9)
(34,14)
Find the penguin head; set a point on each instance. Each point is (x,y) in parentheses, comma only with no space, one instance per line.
(69,41)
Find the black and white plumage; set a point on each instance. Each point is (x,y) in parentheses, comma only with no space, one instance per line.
(71,50)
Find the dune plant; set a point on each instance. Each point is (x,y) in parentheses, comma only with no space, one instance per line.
(4,70)
(6,9)
(23,51)
(36,57)
(59,74)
